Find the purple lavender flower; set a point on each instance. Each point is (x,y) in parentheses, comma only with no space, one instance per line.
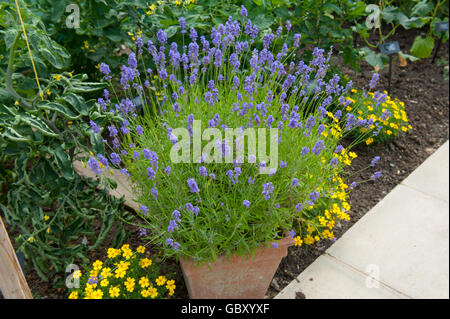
(112,131)
(193,185)
(353,185)
(246,203)
(203,171)
(374,160)
(150,173)
(267,190)
(115,158)
(318,147)
(139,130)
(144,209)
(283,164)
(162,36)
(374,80)
(298,207)
(244,12)
(183,25)
(376,175)
(297,37)
(95,127)
(154,192)
(274,244)
(305,151)
(167,170)
(102,159)
(142,232)
(334,161)
(295,182)
(93,164)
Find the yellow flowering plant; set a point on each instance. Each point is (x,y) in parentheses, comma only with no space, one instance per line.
(124,274)
(378,117)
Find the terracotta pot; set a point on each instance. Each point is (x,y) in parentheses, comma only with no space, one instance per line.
(235,277)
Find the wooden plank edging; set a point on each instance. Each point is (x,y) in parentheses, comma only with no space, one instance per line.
(12,281)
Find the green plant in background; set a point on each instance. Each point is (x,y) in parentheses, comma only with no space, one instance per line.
(42,130)
(394,14)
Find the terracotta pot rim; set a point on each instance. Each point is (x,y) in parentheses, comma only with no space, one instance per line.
(282,243)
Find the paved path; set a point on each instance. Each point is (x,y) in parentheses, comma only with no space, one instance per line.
(399,249)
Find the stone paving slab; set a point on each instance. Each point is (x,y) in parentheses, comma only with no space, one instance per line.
(405,239)
(402,242)
(332,279)
(432,176)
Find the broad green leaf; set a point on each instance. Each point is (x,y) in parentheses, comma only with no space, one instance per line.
(77,102)
(263,21)
(13,135)
(38,124)
(10,36)
(84,87)
(63,162)
(422,47)
(422,8)
(56,107)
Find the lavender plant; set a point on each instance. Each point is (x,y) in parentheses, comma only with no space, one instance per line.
(199,197)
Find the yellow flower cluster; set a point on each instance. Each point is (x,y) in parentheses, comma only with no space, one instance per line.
(124,274)
(390,115)
(321,227)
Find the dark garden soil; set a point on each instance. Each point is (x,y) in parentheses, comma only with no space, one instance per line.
(422,87)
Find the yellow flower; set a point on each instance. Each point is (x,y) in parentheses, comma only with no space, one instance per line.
(114,292)
(113,253)
(145,293)
(97,265)
(309,240)
(140,249)
(143,282)
(170,284)
(77,274)
(104,282)
(48,92)
(106,272)
(73,295)
(46,217)
(145,262)
(161,280)
(152,292)
(16,103)
(95,294)
(127,253)
(129,284)
(369,141)
(298,241)
(31,239)
(120,273)
(57,77)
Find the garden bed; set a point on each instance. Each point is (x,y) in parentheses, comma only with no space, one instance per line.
(422,87)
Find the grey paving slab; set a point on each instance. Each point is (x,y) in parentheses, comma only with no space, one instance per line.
(328,278)
(406,235)
(432,177)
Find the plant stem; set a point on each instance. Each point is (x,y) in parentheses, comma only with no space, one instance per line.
(9,73)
